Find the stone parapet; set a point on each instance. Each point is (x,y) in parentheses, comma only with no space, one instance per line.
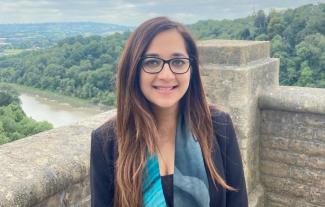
(296,99)
(234,73)
(49,168)
(233,52)
(293,154)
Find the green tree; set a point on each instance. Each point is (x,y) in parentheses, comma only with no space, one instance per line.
(260,22)
(306,75)
(275,24)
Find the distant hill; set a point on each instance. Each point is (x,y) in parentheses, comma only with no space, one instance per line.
(44,35)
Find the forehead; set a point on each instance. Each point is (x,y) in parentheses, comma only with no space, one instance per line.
(167,43)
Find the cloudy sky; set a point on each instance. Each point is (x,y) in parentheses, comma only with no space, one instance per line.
(133,12)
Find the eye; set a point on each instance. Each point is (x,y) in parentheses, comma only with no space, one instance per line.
(151,62)
(178,62)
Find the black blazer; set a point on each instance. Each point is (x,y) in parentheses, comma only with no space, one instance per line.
(226,157)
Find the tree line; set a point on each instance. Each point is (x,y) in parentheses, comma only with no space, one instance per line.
(297,37)
(82,67)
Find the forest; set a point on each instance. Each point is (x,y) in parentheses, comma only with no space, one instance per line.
(85,67)
(297,37)
(77,66)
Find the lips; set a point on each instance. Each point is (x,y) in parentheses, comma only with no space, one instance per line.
(164,88)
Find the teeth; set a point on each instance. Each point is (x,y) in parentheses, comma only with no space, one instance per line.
(164,88)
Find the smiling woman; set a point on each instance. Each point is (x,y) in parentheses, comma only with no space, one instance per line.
(163,87)
(165,146)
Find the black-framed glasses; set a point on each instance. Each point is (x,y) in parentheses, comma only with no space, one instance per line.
(155,64)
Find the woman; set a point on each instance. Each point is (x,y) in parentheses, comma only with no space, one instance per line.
(166,146)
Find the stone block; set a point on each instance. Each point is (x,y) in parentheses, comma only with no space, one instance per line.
(308,176)
(291,158)
(40,168)
(287,201)
(232,52)
(293,125)
(295,99)
(274,142)
(274,168)
(314,148)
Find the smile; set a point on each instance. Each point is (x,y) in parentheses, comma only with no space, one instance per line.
(164,89)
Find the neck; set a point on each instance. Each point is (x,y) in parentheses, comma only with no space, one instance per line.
(167,122)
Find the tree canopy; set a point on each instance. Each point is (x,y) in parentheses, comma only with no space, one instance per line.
(297,37)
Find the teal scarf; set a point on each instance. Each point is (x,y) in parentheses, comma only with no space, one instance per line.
(191,186)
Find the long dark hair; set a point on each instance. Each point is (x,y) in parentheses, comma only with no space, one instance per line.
(136,129)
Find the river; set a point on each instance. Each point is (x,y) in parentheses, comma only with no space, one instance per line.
(59,114)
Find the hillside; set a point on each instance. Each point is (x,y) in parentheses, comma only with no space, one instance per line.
(297,37)
(78,66)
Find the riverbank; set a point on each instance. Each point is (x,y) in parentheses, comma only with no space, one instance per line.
(73,101)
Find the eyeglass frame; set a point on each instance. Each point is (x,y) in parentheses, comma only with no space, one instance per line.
(164,62)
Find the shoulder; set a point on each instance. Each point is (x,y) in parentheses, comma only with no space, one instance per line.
(223,128)
(105,132)
(220,118)
(103,138)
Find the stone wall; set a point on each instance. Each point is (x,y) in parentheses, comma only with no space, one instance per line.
(293,147)
(234,74)
(50,169)
(280,132)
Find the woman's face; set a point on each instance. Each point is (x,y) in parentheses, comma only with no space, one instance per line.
(165,89)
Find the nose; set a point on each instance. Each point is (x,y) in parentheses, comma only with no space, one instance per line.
(166,72)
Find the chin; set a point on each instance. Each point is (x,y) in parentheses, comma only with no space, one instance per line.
(165,106)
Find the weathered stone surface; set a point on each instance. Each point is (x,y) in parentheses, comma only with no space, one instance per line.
(309,176)
(274,168)
(233,52)
(293,156)
(296,99)
(256,197)
(233,80)
(275,142)
(293,125)
(313,148)
(46,164)
(301,160)
(73,195)
(290,188)
(274,199)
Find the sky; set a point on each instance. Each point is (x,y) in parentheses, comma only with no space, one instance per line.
(133,12)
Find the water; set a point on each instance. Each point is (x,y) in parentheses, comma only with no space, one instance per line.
(59,114)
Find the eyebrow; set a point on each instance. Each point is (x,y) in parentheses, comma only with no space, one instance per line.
(157,55)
